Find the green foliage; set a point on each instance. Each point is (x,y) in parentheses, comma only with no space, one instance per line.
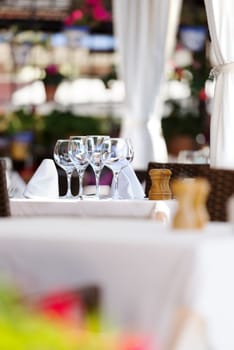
(187,117)
(181,122)
(58,124)
(200,70)
(48,128)
(23,120)
(22,328)
(112,75)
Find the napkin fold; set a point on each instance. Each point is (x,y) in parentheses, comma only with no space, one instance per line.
(129,187)
(44,182)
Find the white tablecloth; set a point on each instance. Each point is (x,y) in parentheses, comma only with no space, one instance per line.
(145,270)
(91,208)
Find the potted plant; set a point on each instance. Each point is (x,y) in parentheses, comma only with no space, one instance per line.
(181,127)
(86,14)
(52,78)
(185,123)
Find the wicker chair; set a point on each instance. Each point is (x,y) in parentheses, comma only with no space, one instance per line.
(4,199)
(222,187)
(221,181)
(179,170)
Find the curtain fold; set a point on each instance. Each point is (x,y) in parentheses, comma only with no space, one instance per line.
(221,27)
(145,32)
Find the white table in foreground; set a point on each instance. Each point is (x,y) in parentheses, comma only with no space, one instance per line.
(145,270)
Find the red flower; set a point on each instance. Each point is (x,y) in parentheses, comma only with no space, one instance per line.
(66,306)
(202,95)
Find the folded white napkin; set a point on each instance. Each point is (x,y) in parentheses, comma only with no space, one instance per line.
(129,187)
(44,182)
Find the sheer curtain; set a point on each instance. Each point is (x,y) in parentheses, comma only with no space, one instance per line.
(221,27)
(145,32)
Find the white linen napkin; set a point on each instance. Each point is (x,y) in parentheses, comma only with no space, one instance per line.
(129,187)
(44,182)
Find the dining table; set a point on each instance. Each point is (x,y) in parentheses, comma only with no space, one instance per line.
(146,270)
(91,207)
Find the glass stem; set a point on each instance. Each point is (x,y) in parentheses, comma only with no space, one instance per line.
(69,193)
(116,178)
(97,176)
(81,190)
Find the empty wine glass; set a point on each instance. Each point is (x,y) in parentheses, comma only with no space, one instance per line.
(130,151)
(95,149)
(62,159)
(117,157)
(78,154)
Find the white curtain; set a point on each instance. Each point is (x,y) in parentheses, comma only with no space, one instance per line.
(221,26)
(145,32)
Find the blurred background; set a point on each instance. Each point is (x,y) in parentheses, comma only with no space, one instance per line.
(58,77)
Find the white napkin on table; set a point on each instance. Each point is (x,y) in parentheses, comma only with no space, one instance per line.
(44,182)
(129,187)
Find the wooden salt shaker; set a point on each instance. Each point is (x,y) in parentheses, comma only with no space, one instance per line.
(192,196)
(160,188)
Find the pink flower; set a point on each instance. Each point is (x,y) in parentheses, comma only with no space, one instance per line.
(89,12)
(77,15)
(52,69)
(100,14)
(92,2)
(68,21)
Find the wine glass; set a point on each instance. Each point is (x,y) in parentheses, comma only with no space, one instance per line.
(118,154)
(78,153)
(130,152)
(62,159)
(95,149)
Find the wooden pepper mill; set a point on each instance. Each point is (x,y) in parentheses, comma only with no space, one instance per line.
(192,196)
(160,188)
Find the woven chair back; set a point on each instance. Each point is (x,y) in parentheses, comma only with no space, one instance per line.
(222,188)
(221,181)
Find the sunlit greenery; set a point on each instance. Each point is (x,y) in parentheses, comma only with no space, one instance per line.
(22,328)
